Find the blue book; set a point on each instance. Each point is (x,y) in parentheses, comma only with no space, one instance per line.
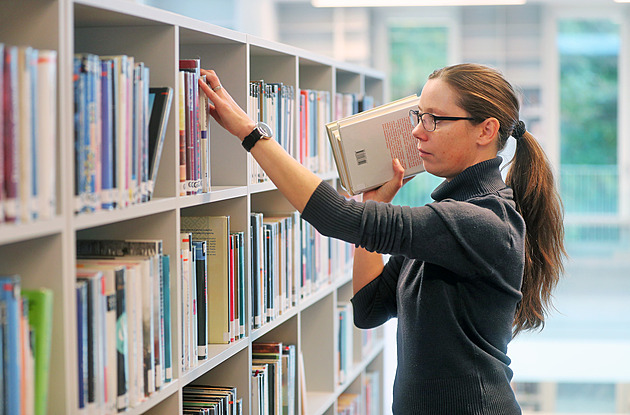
(107,131)
(82,341)
(79,132)
(10,296)
(201,278)
(93,71)
(146,115)
(166,283)
(32,63)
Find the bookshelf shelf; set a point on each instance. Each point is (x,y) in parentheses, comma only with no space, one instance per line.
(44,252)
(12,233)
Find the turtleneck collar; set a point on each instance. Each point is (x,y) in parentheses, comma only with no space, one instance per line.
(477,180)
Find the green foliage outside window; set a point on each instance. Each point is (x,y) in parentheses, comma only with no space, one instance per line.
(415,52)
(589,54)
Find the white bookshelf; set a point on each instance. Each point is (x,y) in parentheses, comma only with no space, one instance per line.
(43,252)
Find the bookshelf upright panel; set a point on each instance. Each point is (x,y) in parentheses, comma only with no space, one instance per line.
(44,253)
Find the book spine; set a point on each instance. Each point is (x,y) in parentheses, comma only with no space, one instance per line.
(186,300)
(204,141)
(25,142)
(182,133)
(47,131)
(122,340)
(241,282)
(144,161)
(2,190)
(10,297)
(82,342)
(202,298)
(40,319)
(11,134)
(166,283)
(232,296)
(107,145)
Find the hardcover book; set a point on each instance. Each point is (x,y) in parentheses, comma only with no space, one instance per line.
(365,144)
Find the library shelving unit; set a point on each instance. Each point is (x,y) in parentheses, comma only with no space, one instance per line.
(43,253)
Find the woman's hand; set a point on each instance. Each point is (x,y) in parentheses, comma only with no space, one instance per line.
(387,191)
(223,108)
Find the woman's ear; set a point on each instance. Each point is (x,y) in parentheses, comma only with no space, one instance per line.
(488,130)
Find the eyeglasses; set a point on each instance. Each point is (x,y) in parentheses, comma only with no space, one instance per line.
(429,121)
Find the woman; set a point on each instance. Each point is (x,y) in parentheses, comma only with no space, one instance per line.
(468,271)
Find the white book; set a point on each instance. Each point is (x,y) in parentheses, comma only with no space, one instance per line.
(365,144)
(26,66)
(47,132)
(186,294)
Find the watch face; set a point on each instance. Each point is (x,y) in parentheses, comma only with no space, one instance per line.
(265,130)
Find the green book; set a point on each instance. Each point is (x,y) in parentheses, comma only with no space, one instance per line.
(40,308)
(215,230)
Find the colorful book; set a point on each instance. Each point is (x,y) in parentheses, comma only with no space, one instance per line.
(107,134)
(215,230)
(40,310)
(10,297)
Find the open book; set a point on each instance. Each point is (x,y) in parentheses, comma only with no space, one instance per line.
(365,144)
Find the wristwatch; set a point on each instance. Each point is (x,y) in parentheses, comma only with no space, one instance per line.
(261,131)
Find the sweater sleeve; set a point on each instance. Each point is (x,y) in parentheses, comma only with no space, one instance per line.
(468,238)
(376,302)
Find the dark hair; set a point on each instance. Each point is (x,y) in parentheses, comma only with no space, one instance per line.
(485,93)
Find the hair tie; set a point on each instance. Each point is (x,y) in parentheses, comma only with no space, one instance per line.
(519,130)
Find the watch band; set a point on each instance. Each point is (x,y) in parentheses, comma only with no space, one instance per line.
(251,139)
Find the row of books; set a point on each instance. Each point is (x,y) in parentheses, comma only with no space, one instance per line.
(194,134)
(345,343)
(28,133)
(274,374)
(111,132)
(315,112)
(349,404)
(213,285)
(274,104)
(345,340)
(211,400)
(371,392)
(289,260)
(365,403)
(347,103)
(124,344)
(275,260)
(25,340)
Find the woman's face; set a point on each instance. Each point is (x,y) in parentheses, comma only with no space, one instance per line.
(452,147)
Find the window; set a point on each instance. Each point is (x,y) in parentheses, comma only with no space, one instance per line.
(415,52)
(579,363)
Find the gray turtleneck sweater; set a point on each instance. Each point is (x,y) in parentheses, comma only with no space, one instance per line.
(453,281)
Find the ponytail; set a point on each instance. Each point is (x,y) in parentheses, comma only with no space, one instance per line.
(531,178)
(484,93)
